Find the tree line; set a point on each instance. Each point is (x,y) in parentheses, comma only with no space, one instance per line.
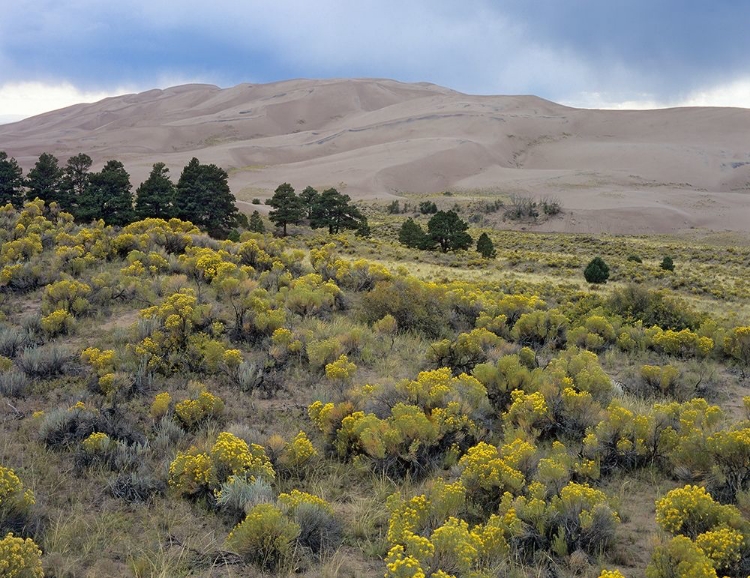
(201,195)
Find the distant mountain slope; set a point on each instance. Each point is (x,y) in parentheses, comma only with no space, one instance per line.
(622,171)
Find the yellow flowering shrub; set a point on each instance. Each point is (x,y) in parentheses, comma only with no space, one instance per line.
(730,453)
(231,456)
(264,538)
(456,548)
(58,322)
(486,475)
(691,511)
(680,558)
(192,412)
(722,546)
(297,453)
(191,473)
(611,574)
(20,558)
(342,370)
(68,294)
(737,345)
(399,565)
(291,501)
(97,444)
(660,378)
(161,404)
(528,411)
(14,499)
(684,343)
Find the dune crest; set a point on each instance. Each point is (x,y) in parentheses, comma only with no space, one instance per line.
(617,171)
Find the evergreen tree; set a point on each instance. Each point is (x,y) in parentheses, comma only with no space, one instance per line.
(155,195)
(448,230)
(256,224)
(597,271)
(287,207)
(485,247)
(334,211)
(363,229)
(11,181)
(412,235)
(309,197)
(667,263)
(108,196)
(45,180)
(75,182)
(203,198)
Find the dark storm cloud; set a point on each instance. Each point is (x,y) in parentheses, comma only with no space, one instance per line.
(617,50)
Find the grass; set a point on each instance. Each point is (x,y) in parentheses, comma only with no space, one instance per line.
(87,532)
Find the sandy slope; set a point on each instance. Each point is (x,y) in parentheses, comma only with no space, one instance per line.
(617,171)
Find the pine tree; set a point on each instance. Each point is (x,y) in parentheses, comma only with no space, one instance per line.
(108,196)
(44,181)
(447,230)
(74,183)
(11,181)
(485,247)
(256,224)
(309,197)
(412,235)
(333,210)
(288,208)
(203,198)
(155,195)
(597,271)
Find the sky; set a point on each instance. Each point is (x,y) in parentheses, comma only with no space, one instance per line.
(585,53)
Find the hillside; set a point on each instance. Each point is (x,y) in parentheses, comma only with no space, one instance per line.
(616,171)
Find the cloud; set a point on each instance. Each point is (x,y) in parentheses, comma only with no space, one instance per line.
(612,53)
(23,99)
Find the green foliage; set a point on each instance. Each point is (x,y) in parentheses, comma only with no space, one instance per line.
(485,247)
(107,196)
(446,230)
(597,271)
(203,198)
(264,538)
(667,263)
(333,210)
(412,235)
(11,181)
(288,209)
(44,180)
(256,224)
(155,195)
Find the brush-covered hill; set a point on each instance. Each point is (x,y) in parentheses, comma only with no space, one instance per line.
(616,171)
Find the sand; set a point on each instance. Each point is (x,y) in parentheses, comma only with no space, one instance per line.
(660,171)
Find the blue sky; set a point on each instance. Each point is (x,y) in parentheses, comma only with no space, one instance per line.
(603,53)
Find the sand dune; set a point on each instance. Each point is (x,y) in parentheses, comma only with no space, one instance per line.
(617,171)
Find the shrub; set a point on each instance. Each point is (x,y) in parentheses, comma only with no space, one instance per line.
(15,501)
(240,494)
(134,487)
(667,264)
(193,412)
(20,558)
(264,538)
(43,362)
(597,271)
(13,383)
(680,558)
(485,247)
(691,511)
(320,531)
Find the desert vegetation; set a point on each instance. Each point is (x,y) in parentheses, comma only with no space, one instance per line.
(332,403)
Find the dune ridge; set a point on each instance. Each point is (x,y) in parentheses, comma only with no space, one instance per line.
(659,171)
